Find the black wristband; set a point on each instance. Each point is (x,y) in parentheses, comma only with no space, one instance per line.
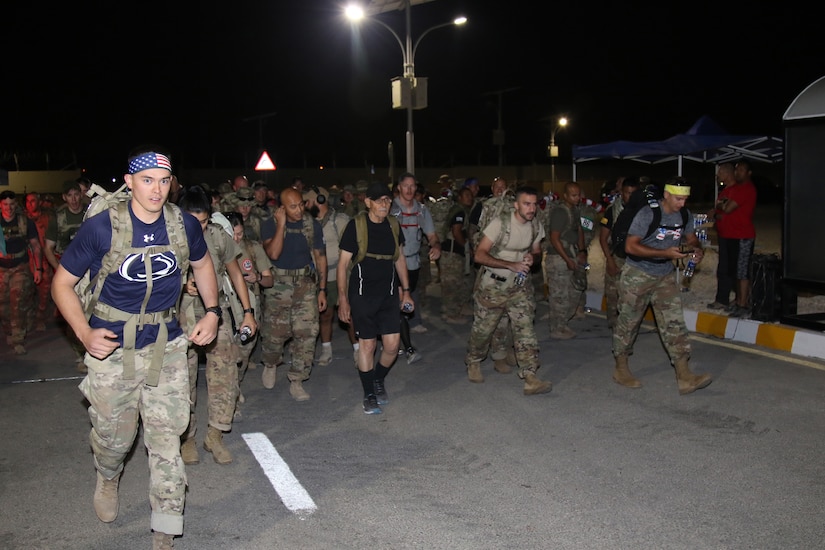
(249,310)
(217,310)
(322,289)
(405,290)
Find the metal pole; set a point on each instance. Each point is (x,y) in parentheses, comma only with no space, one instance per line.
(409,74)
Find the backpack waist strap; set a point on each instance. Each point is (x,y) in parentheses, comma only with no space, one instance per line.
(131,321)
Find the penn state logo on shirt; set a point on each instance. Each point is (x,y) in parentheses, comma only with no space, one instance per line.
(163,264)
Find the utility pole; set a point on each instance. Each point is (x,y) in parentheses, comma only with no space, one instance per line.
(498,133)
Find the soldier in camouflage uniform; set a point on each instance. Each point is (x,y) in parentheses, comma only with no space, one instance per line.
(221,354)
(498,292)
(151,384)
(590,215)
(612,263)
(565,254)
(292,305)
(68,218)
(17,281)
(257,272)
(317,203)
(44,219)
(647,279)
(455,285)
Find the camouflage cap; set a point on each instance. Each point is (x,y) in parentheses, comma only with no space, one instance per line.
(245,194)
(361,186)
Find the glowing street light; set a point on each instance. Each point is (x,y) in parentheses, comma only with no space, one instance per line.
(553,150)
(408,92)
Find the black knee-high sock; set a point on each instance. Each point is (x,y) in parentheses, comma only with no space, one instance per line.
(367,381)
(405,332)
(381,371)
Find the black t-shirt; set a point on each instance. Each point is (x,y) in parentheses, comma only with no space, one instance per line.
(372,276)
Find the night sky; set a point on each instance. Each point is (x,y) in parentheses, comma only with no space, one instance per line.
(295,76)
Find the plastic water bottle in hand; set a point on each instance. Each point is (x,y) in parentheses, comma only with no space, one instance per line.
(690,267)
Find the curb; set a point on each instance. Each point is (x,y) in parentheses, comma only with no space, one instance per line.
(798,341)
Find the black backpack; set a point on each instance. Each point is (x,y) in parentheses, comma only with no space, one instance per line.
(644,196)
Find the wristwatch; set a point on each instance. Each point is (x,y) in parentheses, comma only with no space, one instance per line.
(217,310)
(250,310)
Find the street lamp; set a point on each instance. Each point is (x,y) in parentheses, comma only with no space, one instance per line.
(553,150)
(408,92)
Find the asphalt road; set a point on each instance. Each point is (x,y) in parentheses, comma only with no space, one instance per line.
(450,464)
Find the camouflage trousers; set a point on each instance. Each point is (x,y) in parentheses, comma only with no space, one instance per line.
(16,293)
(221,379)
(502,341)
(43,309)
(563,297)
(290,311)
(637,290)
(455,286)
(611,293)
(116,406)
(497,300)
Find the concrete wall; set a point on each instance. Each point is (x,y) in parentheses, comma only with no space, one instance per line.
(41,181)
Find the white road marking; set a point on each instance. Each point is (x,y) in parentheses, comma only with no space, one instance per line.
(292,493)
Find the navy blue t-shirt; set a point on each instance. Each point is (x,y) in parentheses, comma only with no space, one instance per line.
(125,288)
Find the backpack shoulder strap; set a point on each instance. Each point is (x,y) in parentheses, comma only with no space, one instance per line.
(360,236)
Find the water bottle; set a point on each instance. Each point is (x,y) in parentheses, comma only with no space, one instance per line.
(690,268)
(407,307)
(245,335)
(520,277)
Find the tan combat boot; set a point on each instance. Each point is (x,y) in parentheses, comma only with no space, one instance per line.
(474,373)
(325,357)
(534,385)
(502,366)
(214,444)
(297,391)
(189,451)
(268,376)
(162,541)
(105,499)
(622,374)
(689,382)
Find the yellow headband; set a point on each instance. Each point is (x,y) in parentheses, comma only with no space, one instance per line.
(681,190)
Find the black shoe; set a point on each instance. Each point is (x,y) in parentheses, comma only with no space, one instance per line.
(380,392)
(413,356)
(717,305)
(371,405)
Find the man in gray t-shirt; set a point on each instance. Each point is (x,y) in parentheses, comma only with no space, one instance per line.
(647,280)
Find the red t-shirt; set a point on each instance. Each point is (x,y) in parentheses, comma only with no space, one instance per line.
(738,224)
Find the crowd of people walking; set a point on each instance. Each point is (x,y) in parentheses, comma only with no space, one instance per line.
(239,278)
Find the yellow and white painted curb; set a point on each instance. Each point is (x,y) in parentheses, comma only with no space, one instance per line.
(798,341)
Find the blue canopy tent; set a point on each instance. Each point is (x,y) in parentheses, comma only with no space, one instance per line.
(704,142)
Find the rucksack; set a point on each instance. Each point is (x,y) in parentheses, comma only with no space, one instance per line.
(88,289)
(491,208)
(117,205)
(645,196)
(362,238)
(440,211)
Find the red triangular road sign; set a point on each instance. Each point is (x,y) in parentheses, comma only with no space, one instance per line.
(265,163)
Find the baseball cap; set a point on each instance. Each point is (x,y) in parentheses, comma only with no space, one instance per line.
(376,190)
(245,194)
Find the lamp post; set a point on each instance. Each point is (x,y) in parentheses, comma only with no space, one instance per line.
(410,95)
(553,150)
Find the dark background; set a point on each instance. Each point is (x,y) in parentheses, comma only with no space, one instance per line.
(83,84)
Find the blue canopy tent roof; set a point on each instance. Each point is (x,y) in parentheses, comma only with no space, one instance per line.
(705,142)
